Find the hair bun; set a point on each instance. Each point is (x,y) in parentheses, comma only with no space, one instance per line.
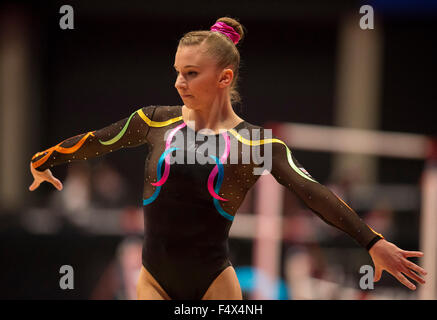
(237,26)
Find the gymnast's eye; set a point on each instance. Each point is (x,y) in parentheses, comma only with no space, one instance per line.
(189,73)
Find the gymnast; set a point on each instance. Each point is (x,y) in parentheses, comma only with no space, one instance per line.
(188,205)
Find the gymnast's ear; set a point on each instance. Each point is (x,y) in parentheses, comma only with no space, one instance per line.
(226,78)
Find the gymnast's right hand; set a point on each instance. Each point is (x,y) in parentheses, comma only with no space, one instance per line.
(46,175)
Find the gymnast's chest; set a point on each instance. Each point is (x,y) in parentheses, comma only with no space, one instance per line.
(192,160)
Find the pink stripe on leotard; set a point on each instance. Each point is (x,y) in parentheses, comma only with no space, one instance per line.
(167,158)
(215,170)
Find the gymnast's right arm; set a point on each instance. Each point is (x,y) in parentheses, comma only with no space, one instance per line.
(129,132)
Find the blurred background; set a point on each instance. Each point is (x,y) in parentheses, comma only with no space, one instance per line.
(357,108)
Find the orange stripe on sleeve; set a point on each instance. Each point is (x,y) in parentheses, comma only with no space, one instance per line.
(60,149)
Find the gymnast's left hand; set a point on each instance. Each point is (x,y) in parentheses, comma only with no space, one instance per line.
(387,256)
(40,177)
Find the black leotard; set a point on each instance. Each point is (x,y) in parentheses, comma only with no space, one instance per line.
(194,185)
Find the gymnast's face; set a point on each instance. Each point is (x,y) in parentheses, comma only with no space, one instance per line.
(199,81)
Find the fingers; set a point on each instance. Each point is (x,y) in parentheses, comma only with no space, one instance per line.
(415,267)
(44,176)
(34,185)
(409,267)
(413,275)
(404,281)
(410,254)
(56,183)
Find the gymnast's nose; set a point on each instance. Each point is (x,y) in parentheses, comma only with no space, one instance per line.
(180,83)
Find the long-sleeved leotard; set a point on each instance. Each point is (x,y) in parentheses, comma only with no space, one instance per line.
(194,185)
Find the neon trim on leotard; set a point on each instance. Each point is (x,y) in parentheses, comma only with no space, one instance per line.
(263,141)
(376,232)
(120,134)
(215,170)
(152,123)
(167,163)
(158,174)
(164,156)
(149,122)
(217,189)
(60,149)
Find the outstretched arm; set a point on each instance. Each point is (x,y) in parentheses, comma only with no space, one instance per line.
(333,210)
(129,132)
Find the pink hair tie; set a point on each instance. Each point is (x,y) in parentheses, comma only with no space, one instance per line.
(227,31)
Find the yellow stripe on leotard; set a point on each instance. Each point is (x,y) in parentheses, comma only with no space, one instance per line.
(253,142)
(263,141)
(152,123)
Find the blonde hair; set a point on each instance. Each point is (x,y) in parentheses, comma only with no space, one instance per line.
(222,48)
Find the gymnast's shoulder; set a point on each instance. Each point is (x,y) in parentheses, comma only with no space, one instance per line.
(158,113)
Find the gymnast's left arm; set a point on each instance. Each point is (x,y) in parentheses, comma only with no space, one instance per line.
(334,211)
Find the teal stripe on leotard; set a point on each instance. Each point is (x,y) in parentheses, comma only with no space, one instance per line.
(217,189)
(158,174)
